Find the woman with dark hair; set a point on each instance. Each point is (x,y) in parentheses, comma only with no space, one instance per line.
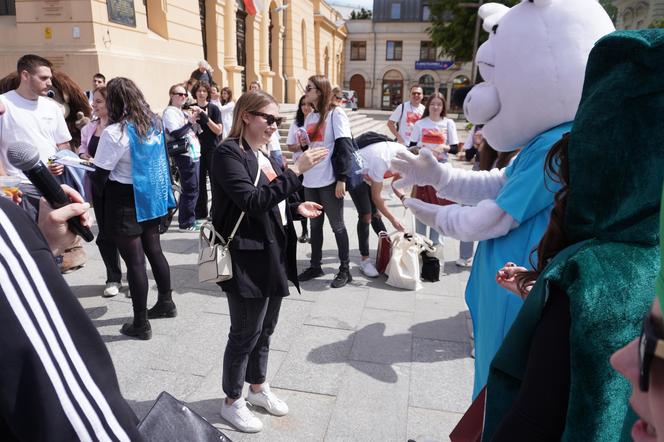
(326,182)
(227,106)
(178,125)
(208,119)
(297,142)
(254,205)
(132,172)
(596,264)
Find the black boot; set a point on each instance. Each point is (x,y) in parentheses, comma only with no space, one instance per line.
(140,328)
(164,308)
(342,278)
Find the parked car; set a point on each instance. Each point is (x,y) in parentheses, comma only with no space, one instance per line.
(350,100)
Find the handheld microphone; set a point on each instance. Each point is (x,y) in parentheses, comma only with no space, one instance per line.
(25,157)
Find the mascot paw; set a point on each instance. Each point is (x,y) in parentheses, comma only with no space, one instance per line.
(81,120)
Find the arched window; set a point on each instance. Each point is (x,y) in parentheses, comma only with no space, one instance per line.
(392,91)
(428,85)
(304,44)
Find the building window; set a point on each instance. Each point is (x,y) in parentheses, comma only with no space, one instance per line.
(427,51)
(393,51)
(358,50)
(7,7)
(426,13)
(395,11)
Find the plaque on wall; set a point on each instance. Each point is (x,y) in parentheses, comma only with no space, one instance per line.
(122,11)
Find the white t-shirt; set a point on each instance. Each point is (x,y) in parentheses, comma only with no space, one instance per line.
(37,122)
(226,117)
(174,118)
(406,116)
(275,142)
(429,134)
(292,138)
(113,154)
(322,174)
(376,159)
(268,171)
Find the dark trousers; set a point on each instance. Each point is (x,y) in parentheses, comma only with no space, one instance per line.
(367,214)
(107,248)
(333,208)
(201,210)
(189,182)
(253,321)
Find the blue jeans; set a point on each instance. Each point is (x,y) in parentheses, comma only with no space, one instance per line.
(421,228)
(189,189)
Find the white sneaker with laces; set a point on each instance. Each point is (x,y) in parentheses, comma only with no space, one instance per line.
(238,415)
(111,289)
(268,400)
(464,262)
(368,268)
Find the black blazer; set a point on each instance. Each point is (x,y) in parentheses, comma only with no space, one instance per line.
(263,249)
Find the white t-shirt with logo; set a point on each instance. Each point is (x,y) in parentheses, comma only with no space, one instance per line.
(406,115)
(174,118)
(322,174)
(292,138)
(429,134)
(37,122)
(376,159)
(113,154)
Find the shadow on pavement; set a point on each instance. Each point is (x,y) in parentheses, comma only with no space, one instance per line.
(336,352)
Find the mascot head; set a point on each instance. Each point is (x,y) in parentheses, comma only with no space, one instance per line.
(69,96)
(533,67)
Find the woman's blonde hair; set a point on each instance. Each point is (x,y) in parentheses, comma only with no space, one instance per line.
(248,102)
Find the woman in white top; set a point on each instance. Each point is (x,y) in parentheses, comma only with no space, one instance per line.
(178,125)
(132,171)
(438,134)
(297,142)
(326,182)
(226,106)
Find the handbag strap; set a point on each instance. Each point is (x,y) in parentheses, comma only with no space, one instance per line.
(237,224)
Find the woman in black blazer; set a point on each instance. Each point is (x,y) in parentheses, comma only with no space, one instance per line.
(262,250)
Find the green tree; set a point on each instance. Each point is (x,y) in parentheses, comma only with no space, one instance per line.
(656,24)
(610,9)
(362,14)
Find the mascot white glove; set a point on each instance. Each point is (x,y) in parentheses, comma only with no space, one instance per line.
(419,170)
(424,212)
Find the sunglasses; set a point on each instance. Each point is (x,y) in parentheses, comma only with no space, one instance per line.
(180,94)
(338,98)
(650,346)
(269,119)
(310,88)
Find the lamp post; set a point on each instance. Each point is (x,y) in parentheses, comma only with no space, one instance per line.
(476,39)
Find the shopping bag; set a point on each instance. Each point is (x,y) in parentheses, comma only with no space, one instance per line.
(403,269)
(383,252)
(469,428)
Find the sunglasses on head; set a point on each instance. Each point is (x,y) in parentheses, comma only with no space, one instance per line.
(269,119)
(310,88)
(650,346)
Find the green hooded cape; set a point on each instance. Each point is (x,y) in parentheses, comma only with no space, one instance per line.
(616,169)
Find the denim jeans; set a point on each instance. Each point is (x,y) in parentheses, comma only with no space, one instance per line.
(434,236)
(466,249)
(333,208)
(253,321)
(361,196)
(189,189)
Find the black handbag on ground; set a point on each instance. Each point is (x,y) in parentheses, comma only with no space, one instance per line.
(177,147)
(430,268)
(171,420)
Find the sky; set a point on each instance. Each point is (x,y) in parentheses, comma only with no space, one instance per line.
(346,6)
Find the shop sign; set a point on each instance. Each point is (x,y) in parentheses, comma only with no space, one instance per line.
(433,65)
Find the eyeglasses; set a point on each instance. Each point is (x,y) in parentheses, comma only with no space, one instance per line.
(416,93)
(269,119)
(310,88)
(180,94)
(650,346)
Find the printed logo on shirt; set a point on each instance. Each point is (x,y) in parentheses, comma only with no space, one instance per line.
(318,136)
(433,136)
(267,169)
(411,119)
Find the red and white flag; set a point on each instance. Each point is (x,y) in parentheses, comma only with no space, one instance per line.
(253,6)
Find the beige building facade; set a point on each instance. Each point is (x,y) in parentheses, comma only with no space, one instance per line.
(158,43)
(638,14)
(385,58)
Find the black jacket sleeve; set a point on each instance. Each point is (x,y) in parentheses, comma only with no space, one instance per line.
(181,132)
(341,158)
(54,364)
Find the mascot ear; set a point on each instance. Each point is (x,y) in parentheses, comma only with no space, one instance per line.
(491,13)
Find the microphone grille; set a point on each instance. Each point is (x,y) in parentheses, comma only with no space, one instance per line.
(22,156)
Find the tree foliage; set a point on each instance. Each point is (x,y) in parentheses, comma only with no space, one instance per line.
(452,26)
(362,14)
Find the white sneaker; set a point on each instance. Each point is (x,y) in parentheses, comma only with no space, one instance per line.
(238,415)
(268,400)
(464,262)
(111,289)
(368,268)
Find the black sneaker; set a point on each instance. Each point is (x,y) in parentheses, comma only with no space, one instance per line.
(164,309)
(304,237)
(310,273)
(141,332)
(341,279)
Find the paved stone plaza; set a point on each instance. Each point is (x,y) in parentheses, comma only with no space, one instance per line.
(366,362)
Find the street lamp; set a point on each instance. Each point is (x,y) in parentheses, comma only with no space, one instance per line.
(476,39)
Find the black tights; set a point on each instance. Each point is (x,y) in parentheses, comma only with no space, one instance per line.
(367,213)
(133,250)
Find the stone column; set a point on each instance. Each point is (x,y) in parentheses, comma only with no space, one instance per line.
(278,58)
(264,62)
(230,49)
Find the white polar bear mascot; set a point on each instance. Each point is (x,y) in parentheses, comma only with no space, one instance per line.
(533,65)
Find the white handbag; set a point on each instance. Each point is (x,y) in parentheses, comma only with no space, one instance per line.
(214,256)
(404,268)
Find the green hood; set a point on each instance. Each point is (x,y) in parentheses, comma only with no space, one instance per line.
(618,135)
